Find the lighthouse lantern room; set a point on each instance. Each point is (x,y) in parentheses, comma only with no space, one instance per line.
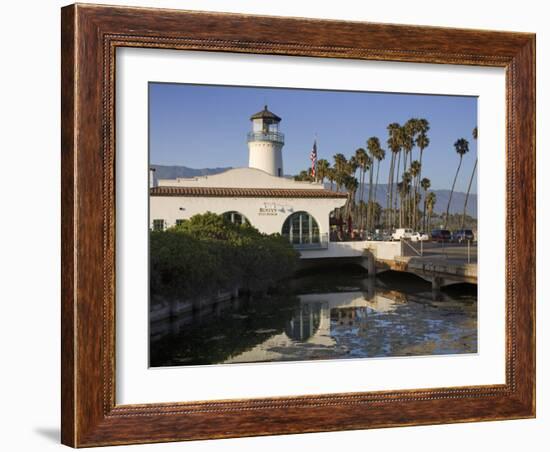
(265,143)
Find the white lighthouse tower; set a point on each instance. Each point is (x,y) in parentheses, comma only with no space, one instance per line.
(265,143)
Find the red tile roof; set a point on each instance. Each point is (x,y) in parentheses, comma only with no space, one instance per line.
(222,192)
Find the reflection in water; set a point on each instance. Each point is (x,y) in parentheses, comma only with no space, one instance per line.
(340,316)
(305,322)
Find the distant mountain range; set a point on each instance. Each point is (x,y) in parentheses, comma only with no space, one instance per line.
(442,196)
(173,172)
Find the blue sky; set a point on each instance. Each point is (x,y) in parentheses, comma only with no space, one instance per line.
(201,126)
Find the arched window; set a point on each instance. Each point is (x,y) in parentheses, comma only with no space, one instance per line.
(236,217)
(301,228)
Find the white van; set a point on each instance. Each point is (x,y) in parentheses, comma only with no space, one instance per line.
(402,233)
(419,237)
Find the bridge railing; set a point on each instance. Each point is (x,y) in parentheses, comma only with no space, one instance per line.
(407,244)
(317,243)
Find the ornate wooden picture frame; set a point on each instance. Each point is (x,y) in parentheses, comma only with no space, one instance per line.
(90,37)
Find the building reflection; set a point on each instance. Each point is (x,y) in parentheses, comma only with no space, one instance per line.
(305,322)
(319,316)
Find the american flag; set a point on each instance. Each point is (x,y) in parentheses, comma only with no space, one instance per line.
(313,158)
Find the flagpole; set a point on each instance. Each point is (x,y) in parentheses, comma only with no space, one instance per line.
(316,156)
(313,158)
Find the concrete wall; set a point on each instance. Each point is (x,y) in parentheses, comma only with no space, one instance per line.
(380,250)
(385,250)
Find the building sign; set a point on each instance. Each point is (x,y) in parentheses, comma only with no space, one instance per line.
(271,209)
(267,211)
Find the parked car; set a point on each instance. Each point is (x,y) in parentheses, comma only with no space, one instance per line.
(441,235)
(381,237)
(463,235)
(402,233)
(419,237)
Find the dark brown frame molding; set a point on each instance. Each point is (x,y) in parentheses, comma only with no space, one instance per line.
(90,35)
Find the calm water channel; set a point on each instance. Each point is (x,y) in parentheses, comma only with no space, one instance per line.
(336,314)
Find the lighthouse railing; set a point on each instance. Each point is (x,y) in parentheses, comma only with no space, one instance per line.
(266,136)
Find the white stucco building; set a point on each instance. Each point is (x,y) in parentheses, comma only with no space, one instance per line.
(258,194)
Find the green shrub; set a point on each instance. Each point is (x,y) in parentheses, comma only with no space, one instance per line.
(208,253)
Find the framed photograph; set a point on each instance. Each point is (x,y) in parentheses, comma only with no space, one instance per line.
(281,225)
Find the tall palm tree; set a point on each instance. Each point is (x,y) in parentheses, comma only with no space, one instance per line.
(340,180)
(331,176)
(398,188)
(405,188)
(373,145)
(376,213)
(431,199)
(361,159)
(350,171)
(352,166)
(415,173)
(410,130)
(379,156)
(422,141)
(369,169)
(304,175)
(462,147)
(394,145)
(340,163)
(322,169)
(474,135)
(351,184)
(362,211)
(425,184)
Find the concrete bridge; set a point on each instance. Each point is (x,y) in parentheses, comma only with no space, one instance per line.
(440,264)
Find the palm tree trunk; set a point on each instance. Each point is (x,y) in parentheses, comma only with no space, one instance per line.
(397,180)
(363,192)
(391,191)
(415,204)
(369,205)
(408,202)
(407,219)
(468,195)
(363,198)
(451,195)
(424,212)
(415,193)
(418,181)
(401,209)
(412,201)
(360,184)
(406,197)
(376,184)
(389,194)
